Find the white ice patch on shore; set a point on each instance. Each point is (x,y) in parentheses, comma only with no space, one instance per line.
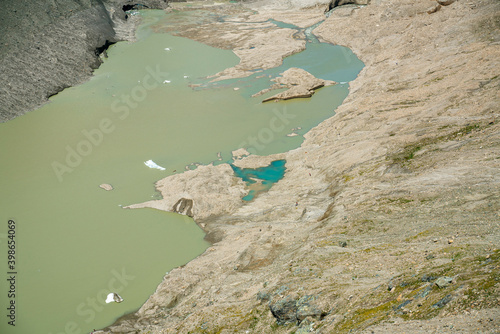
(152,164)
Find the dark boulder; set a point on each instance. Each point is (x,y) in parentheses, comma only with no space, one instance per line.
(284,310)
(291,310)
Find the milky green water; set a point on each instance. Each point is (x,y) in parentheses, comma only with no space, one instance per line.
(73,241)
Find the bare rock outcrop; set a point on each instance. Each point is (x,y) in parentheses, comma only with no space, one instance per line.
(184,206)
(299,82)
(106,186)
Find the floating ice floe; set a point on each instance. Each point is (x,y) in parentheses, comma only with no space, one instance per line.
(166,81)
(167,49)
(186,76)
(113,297)
(152,164)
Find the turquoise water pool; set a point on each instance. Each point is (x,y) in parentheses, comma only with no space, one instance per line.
(260,179)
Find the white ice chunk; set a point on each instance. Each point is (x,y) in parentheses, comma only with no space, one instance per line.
(152,164)
(166,81)
(167,49)
(113,297)
(110,298)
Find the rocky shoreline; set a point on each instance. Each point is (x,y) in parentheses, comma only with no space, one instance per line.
(388,217)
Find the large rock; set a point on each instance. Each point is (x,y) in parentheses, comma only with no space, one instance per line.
(299,82)
(184,206)
(106,186)
(337,3)
(291,310)
(284,310)
(445,2)
(444,281)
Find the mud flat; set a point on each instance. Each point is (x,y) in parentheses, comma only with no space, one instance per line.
(395,194)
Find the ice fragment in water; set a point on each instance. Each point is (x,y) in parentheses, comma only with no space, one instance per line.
(152,164)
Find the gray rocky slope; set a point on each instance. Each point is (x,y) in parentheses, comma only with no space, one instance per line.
(46,46)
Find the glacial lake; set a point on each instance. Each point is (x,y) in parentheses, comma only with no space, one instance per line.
(73,241)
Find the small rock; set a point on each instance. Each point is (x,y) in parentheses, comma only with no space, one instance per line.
(445,2)
(400,308)
(307,322)
(443,282)
(433,9)
(450,241)
(106,186)
(306,326)
(430,257)
(343,243)
(263,296)
(424,292)
(442,302)
(428,278)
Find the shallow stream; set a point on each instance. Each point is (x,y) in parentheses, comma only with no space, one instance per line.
(74,242)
